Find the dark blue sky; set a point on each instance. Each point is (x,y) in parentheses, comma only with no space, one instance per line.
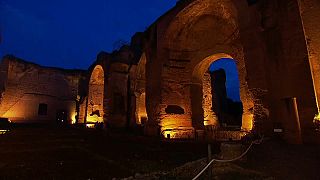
(70,33)
(232,81)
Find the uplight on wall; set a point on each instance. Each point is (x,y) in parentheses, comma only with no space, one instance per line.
(73,118)
(247,122)
(316,121)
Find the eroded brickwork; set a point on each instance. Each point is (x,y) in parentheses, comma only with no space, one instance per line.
(27,85)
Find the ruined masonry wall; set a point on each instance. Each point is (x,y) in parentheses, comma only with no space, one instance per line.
(28,85)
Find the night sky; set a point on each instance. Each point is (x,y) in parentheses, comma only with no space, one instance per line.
(70,33)
(232,78)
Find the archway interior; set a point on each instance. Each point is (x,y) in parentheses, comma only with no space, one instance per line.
(140,91)
(95,96)
(221,96)
(141,109)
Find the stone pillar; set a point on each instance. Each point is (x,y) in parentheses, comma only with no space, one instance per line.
(210,117)
(292,131)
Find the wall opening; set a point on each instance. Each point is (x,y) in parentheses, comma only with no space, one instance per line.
(140,91)
(221,94)
(174,109)
(43,109)
(216,95)
(95,111)
(141,109)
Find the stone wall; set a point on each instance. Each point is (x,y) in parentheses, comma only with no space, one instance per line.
(163,77)
(267,42)
(310,15)
(111,94)
(187,41)
(210,117)
(289,72)
(27,85)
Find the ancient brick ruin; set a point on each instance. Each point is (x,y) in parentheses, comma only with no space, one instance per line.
(31,93)
(161,81)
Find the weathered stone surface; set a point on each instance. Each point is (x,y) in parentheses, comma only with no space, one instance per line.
(274,44)
(27,85)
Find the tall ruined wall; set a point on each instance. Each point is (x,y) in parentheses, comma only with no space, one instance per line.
(287,63)
(117,91)
(210,117)
(267,42)
(113,94)
(188,41)
(29,85)
(3,77)
(310,14)
(138,92)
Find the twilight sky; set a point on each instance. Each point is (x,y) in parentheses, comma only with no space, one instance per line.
(70,33)
(232,78)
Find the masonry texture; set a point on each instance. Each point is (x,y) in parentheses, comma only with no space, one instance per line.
(27,86)
(160,82)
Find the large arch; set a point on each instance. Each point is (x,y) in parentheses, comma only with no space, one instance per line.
(95,110)
(201,33)
(197,92)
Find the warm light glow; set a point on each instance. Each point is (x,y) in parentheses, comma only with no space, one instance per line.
(90,126)
(178,133)
(73,118)
(211,120)
(247,122)
(2,131)
(141,111)
(316,121)
(95,111)
(170,132)
(94,118)
(142,116)
(13,113)
(317,117)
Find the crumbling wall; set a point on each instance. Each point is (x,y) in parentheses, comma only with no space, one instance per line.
(29,85)
(309,10)
(117,95)
(197,36)
(3,78)
(139,88)
(210,117)
(95,110)
(288,67)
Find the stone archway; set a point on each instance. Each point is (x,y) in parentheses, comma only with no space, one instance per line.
(221,102)
(95,110)
(199,34)
(200,110)
(140,91)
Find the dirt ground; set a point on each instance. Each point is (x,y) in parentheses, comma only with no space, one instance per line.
(73,153)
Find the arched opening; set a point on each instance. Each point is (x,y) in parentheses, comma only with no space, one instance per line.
(141,111)
(215,93)
(221,83)
(95,111)
(140,91)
